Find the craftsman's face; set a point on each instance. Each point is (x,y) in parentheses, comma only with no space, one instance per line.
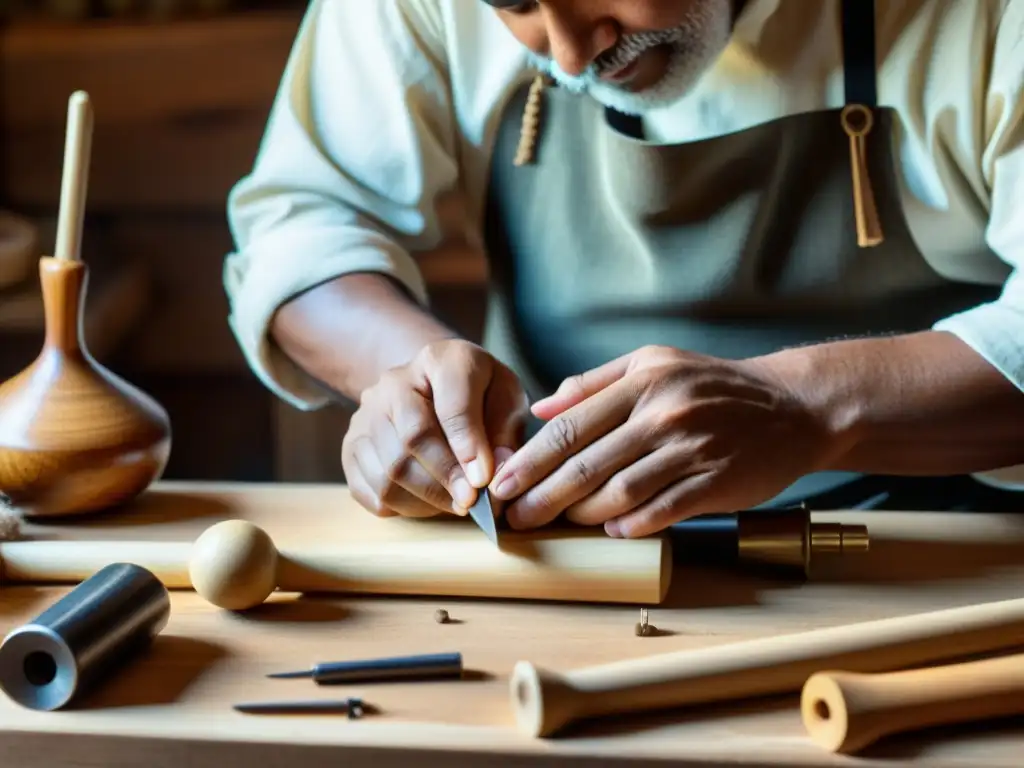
(628,54)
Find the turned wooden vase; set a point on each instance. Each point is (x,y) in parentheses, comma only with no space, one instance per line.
(75,438)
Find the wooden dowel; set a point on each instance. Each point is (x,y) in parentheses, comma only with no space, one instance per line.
(75,178)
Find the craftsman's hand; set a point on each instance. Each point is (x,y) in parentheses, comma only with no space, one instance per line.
(659,436)
(429,434)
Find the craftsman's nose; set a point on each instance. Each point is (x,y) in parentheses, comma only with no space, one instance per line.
(574,41)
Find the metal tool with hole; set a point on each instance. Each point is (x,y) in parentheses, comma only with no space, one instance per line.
(84,637)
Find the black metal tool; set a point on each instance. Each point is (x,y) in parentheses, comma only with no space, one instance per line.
(352,707)
(429,666)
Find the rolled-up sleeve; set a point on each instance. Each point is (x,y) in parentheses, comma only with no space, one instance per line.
(996,330)
(357,147)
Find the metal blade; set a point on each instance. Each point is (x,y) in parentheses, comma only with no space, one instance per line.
(483,514)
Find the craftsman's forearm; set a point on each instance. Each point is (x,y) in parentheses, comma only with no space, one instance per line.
(919,404)
(348,332)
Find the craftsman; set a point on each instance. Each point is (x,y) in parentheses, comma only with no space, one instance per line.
(718,287)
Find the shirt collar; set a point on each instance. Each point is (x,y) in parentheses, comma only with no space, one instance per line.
(752,20)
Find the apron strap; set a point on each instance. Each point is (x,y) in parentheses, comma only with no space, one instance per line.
(859,64)
(628,125)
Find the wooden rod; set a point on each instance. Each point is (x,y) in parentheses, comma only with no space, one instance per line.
(544,702)
(236,565)
(75,178)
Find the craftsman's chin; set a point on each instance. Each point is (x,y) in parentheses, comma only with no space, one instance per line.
(651,69)
(657,78)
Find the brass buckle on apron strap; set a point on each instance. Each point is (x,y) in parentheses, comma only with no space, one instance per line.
(858,120)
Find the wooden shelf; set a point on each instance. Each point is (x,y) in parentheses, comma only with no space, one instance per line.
(181,106)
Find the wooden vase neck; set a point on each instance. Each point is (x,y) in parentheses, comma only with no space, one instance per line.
(64,284)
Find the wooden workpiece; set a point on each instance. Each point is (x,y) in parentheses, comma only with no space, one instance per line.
(173,707)
(309,538)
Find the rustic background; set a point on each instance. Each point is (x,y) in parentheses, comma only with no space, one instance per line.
(182,89)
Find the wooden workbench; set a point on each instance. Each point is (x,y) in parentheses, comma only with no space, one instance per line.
(171,708)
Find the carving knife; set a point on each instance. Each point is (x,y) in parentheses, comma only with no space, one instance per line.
(483,513)
(483,510)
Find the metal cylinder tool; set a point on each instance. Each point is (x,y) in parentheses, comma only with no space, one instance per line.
(83,637)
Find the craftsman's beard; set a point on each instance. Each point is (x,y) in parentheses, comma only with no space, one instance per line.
(695,44)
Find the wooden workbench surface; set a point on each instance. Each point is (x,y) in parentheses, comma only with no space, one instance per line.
(172,707)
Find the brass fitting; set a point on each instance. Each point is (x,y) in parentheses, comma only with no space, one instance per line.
(786,540)
(789,538)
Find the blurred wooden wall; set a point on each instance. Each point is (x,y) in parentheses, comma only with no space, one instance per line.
(180,110)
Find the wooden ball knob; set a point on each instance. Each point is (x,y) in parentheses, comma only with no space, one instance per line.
(234,565)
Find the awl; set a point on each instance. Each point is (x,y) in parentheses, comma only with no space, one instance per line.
(426,666)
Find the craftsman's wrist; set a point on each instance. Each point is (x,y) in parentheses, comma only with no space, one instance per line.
(827,387)
(347,333)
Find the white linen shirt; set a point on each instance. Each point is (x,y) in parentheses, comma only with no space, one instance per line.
(388,106)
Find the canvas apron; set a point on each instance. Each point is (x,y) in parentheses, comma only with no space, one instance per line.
(733,246)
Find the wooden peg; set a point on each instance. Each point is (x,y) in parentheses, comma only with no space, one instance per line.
(75,178)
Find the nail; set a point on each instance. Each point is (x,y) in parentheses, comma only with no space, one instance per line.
(464,493)
(613,528)
(501,455)
(507,488)
(475,473)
